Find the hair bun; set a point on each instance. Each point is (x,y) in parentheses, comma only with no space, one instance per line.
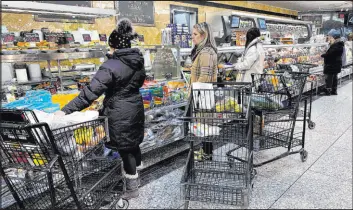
(124,27)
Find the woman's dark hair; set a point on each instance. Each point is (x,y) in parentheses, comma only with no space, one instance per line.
(252,34)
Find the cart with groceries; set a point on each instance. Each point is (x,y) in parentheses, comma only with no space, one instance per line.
(275,103)
(218,116)
(47,166)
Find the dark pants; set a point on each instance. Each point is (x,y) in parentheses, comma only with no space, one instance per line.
(131,159)
(331,82)
(207,147)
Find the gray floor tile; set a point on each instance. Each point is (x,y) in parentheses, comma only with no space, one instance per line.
(161,193)
(345,141)
(339,154)
(266,191)
(285,170)
(323,105)
(314,190)
(331,166)
(317,142)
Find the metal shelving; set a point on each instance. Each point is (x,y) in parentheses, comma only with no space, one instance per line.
(51,56)
(187,51)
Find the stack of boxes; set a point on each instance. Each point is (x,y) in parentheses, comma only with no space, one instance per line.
(177,34)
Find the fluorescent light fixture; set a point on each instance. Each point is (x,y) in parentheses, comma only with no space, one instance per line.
(46,8)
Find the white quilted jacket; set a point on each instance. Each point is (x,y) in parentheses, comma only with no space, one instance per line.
(252,60)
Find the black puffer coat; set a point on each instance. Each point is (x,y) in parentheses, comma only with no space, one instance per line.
(333,58)
(120,78)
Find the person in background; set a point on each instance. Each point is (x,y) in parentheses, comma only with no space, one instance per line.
(120,79)
(253,57)
(333,61)
(204,65)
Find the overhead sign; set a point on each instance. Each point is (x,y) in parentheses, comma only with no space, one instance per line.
(315,19)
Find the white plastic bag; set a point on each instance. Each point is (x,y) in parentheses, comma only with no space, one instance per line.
(203,95)
(77,117)
(203,130)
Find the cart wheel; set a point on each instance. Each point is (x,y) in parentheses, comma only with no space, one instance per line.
(311,125)
(122,204)
(304,155)
(89,200)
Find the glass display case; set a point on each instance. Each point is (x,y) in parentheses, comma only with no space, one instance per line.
(162,62)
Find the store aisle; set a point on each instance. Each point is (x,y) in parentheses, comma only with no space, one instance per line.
(323,181)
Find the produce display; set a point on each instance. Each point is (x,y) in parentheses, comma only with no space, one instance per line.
(156,94)
(35,100)
(292,55)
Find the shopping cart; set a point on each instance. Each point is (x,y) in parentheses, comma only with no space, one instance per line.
(305,68)
(63,168)
(275,101)
(218,116)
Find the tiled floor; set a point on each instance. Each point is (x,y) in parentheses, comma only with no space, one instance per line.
(323,181)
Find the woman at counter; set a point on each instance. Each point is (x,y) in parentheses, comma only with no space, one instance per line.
(204,65)
(120,79)
(253,58)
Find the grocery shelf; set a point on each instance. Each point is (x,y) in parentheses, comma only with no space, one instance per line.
(148,148)
(31,82)
(51,56)
(187,51)
(167,107)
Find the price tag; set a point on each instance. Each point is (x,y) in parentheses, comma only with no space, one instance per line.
(103,37)
(69,38)
(141,38)
(86,37)
(51,37)
(8,38)
(31,37)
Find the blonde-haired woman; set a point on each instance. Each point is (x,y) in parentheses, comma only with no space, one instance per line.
(203,55)
(204,66)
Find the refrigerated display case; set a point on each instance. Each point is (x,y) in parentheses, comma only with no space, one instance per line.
(229,28)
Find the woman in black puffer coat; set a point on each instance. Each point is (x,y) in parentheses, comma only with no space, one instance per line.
(120,79)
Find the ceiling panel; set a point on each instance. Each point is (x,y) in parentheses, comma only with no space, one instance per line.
(304,6)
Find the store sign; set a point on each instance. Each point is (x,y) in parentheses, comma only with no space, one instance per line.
(341,16)
(31,37)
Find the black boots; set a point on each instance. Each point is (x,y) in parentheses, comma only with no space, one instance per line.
(328,92)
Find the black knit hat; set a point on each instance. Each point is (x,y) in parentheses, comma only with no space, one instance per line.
(121,37)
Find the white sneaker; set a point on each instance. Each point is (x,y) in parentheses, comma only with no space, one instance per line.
(140,167)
